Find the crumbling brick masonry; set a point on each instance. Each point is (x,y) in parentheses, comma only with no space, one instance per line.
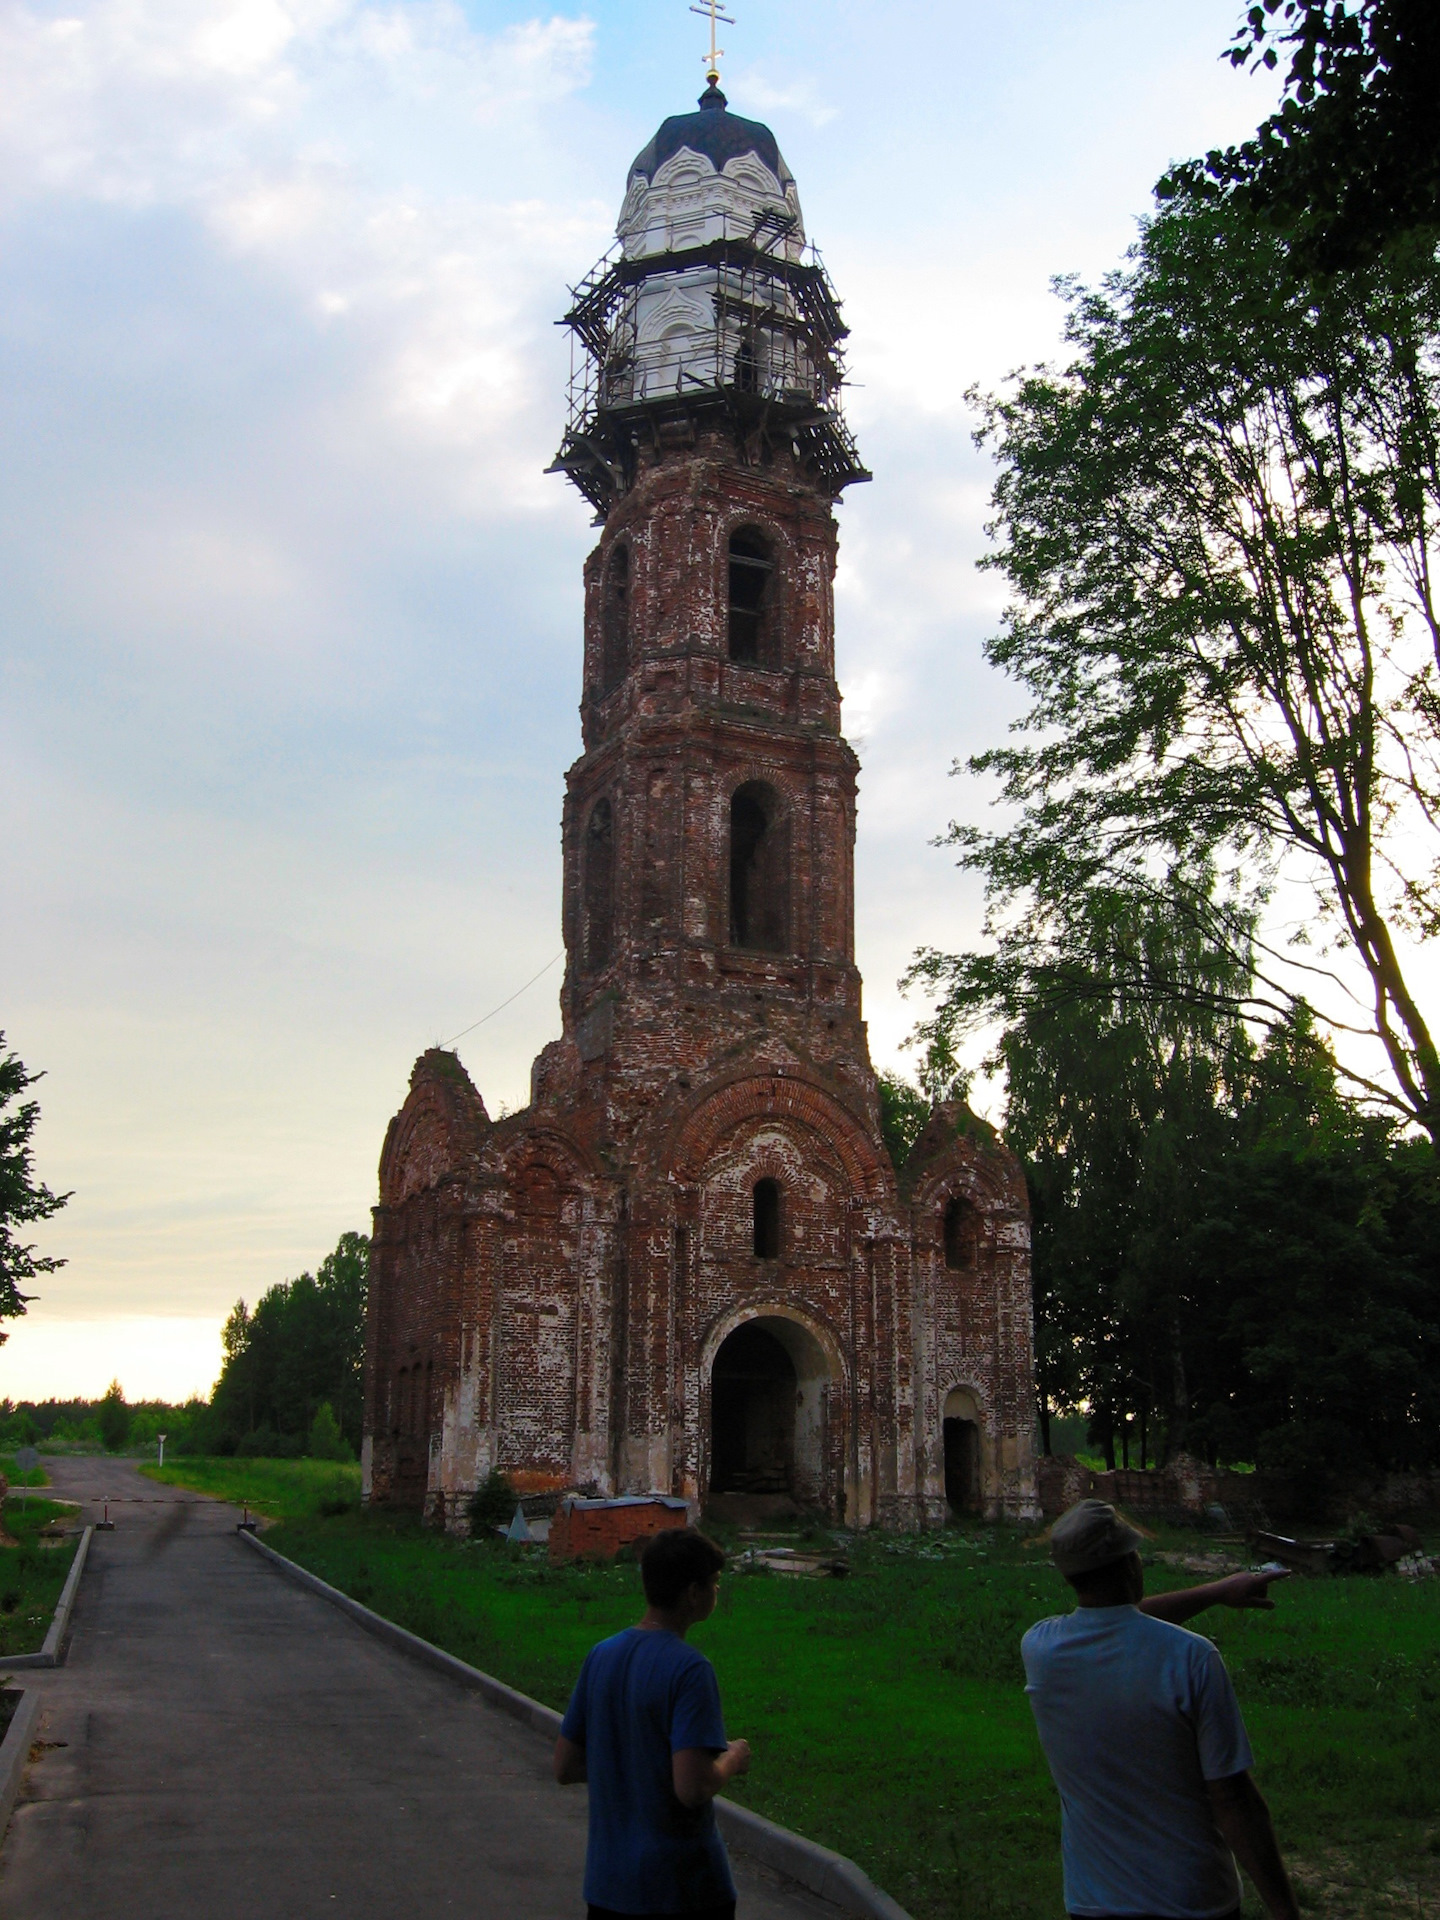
(688,1266)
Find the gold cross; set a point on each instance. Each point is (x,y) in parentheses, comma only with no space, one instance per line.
(711,11)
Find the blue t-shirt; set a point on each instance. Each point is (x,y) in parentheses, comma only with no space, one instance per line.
(640,1698)
(1135,1715)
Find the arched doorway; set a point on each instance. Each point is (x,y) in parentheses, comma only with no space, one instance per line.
(752,1414)
(964,1483)
(770,1385)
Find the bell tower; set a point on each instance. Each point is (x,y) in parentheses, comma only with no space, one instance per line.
(710,822)
(690,1265)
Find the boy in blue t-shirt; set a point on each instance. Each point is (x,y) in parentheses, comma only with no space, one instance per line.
(644,1730)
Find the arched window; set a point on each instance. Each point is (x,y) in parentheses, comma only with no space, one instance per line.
(752,595)
(759,870)
(597,866)
(615,618)
(961,1234)
(747,368)
(767,1219)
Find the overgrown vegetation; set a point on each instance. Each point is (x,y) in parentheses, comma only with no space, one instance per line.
(1230,1256)
(887,1711)
(32,1573)
(274,1489)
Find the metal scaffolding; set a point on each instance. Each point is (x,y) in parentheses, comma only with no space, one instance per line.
(767,354)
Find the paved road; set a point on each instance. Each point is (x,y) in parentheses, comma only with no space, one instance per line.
(221,1745)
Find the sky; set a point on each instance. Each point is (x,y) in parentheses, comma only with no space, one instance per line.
(290,649)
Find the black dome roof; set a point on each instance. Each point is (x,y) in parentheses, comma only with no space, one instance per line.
(717,133)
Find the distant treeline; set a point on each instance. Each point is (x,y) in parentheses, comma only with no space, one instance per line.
(291,1383)
(111,1421)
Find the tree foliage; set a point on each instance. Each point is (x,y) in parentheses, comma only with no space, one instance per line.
(904,1110)
(1349,165)
(301,1349)
(23,1199)
(114,1417)
(1218,527)
(1228,1256)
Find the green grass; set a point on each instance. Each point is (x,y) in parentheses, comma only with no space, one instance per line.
(886,1710)
(274,1489)
(28,1477)
(31,1574)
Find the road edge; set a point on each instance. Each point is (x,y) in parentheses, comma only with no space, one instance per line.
(52,1650)
(15,1751)
(816,1868)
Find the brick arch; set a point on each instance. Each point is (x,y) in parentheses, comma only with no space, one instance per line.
(769,1306)
(736,518)
(988,1181)
(439,1130)
(545,1149)
(701,1133)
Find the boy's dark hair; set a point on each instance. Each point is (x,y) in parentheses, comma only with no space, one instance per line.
(675,1560)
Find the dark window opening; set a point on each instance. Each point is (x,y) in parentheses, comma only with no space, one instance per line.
(752,593)
(961,1234)
(598,882)
(767,1219)
(747,368)
(615,618)
(759,870)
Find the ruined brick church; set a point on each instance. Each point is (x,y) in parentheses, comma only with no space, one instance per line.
(688,1266)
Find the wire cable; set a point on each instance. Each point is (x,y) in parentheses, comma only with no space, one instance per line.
(505,1003)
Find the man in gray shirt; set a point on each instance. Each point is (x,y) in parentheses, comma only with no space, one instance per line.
(1143,1735)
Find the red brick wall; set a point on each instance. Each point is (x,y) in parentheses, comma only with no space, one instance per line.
(566,1275)
(578,1532)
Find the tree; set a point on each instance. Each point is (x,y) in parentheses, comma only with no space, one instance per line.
(1218,526)
(23,1199)
(326,1440)
(301,1347)
(904,1110)
(1229,1257)
(1349,166)
(1120,1038)
(114,1418)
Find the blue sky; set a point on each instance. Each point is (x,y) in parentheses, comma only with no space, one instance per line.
(289,662)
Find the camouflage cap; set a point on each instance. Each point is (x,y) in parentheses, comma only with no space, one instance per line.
(1091,1535)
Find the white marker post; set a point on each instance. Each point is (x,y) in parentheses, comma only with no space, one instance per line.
(161,1438)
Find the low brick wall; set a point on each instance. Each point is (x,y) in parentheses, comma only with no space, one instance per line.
(598,1529)
(1186,1487)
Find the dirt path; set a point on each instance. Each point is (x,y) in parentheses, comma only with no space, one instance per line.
(223,1746)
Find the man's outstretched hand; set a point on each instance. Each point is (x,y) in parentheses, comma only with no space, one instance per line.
(1249,1589)
(1235,1590)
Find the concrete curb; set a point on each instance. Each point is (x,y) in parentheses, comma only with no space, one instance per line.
(15,1751)
(811,1866)
(52,1653)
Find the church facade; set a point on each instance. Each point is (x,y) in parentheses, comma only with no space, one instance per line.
(688,1266)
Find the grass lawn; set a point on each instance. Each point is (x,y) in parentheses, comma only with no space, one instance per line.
(32,1573)
(26,1477)
(886,1710)
(275,1489)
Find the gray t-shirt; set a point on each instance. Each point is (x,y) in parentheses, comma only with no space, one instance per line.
(1135,1716)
